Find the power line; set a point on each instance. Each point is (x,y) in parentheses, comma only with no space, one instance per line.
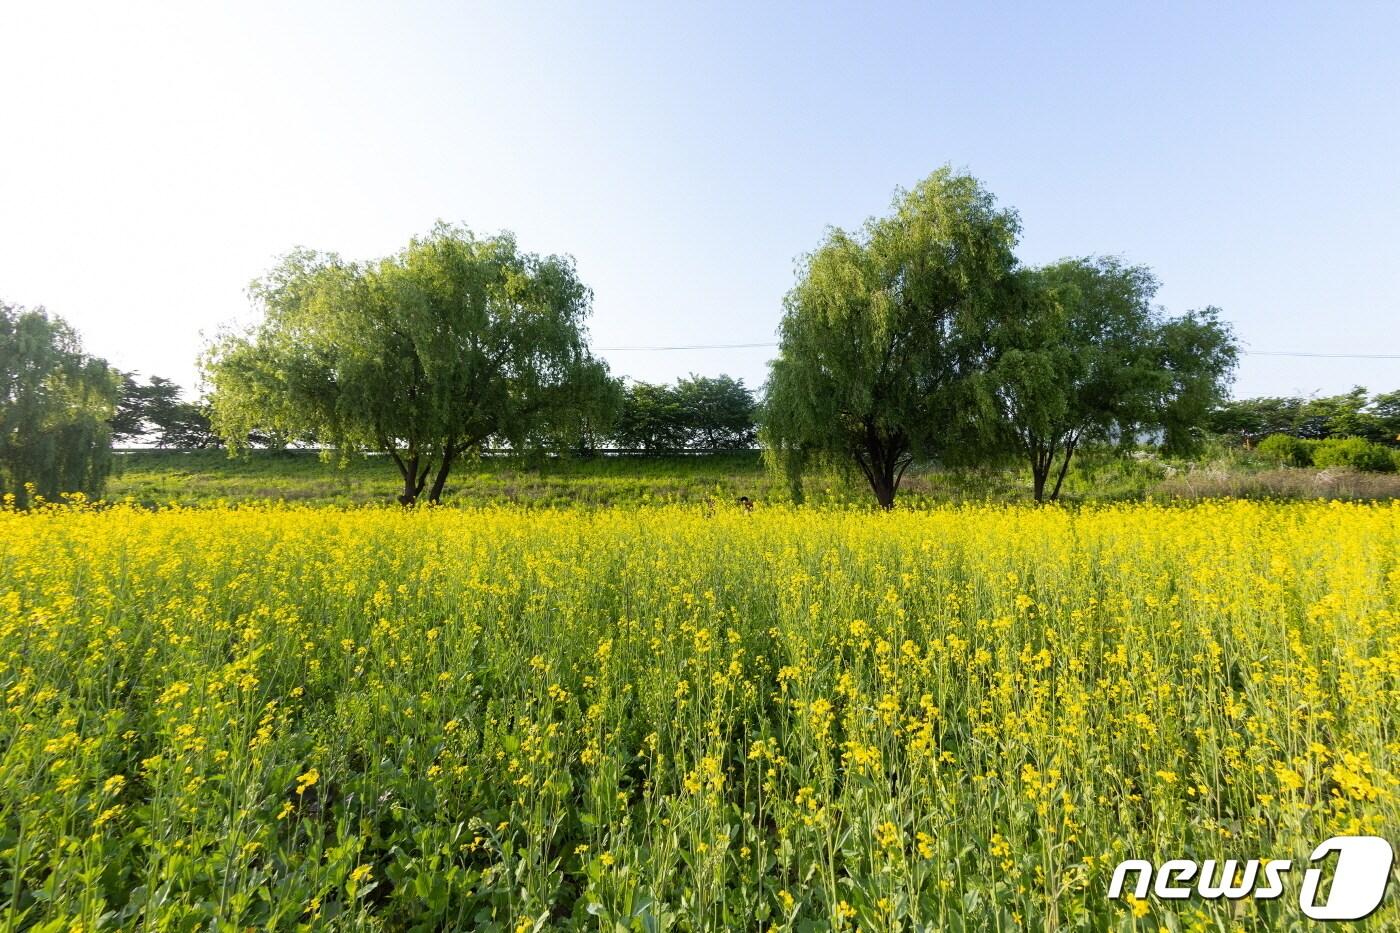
(747,346)
(696,346)
(1331,356)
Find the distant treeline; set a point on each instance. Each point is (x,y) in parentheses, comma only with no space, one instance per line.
(695,414)
(1374,418)
(156,413)
(920,337)
(698,413)
(1353,430)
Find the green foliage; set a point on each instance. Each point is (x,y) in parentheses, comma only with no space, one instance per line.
(920,338)
(719,413)
(185,427)
(651,418)
(1354,452)
(698,413)
(1089,359)
(1350,414)
(128,421)
(454,342)
(1287,450)
(1248,421)
(581,425)
(1336,416)
(1385,409)
(55,404)
(884,333)
(155,411)
(1193,361)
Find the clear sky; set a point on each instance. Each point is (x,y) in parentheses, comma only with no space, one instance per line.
(155,157)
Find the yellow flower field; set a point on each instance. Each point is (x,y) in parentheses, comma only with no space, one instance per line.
(960,718)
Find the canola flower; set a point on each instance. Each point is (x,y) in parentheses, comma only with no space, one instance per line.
(666,718)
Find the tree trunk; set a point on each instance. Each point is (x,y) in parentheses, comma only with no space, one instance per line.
(1042,456)
(1064,468)
(435,493)
(883,484)
(883,462)
(414,479)
(408,469)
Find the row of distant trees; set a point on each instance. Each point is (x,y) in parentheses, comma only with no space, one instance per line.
(697,413)
(702,413)
(62,410)
(919,337)
(1357,413)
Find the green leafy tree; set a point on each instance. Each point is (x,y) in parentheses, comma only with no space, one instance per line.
(158,412)
(1385,409)
(652,418)
(885,336)
(128,421)
(163,408)
(1349,414)
(718,413)
(1070,365)
(186,426)
(697,413)
(1090,359)
(581,428)
(426,355)
(55,405)
(1192,362)
(1249,421)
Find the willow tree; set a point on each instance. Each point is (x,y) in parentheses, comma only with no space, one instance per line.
(1089,357)
(422,356)
(55,404)
(884,338)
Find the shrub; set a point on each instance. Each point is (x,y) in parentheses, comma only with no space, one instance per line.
(1355,452)
(1287,450)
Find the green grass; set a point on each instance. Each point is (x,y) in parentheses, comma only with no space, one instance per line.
(210,477)
(158,477)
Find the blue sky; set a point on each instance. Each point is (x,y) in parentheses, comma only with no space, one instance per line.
(159,156)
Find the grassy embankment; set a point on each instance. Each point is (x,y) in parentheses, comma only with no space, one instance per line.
(158,477)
